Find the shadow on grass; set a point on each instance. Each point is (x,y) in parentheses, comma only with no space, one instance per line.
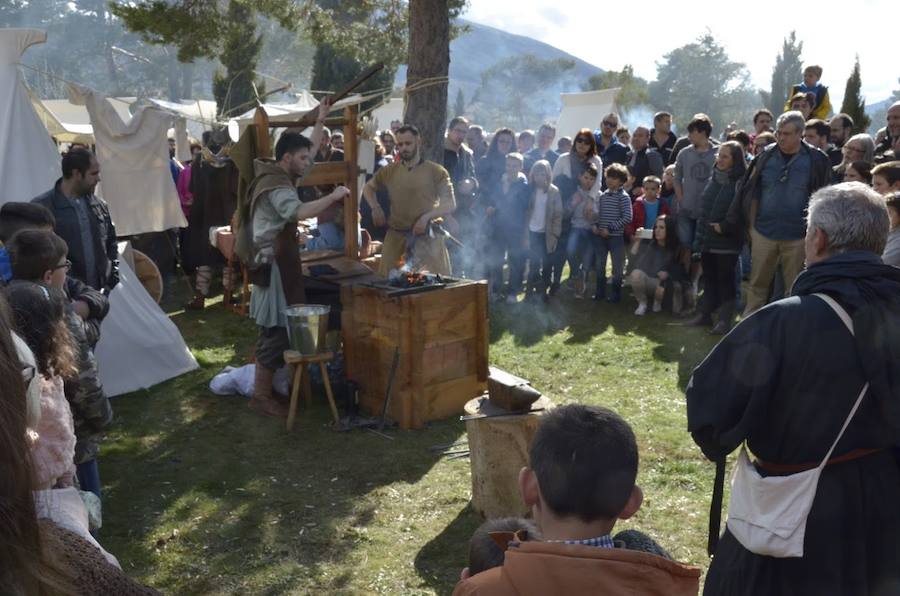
(202,495)
(440,561)
(271,506)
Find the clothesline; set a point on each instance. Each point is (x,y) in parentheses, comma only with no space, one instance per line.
(127,103)
(382,93)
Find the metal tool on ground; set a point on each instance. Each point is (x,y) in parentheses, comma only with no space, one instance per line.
(390,386)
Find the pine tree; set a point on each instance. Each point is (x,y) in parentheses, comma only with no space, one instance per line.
(854,105)
(233,89)
(787,71)
(459,106)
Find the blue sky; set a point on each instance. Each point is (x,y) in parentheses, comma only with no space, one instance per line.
(612,34)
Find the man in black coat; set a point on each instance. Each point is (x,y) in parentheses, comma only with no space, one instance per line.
(785,380)
(83,221)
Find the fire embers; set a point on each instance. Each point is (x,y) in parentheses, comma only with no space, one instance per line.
(408,278)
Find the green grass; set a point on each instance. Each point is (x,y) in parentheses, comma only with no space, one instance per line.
(202,496)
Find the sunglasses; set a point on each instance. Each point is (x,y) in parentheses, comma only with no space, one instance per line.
(583,140)
(610,124)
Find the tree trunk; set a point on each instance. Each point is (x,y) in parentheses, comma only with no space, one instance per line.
(429,58)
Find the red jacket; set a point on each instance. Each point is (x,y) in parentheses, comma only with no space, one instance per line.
(639,215)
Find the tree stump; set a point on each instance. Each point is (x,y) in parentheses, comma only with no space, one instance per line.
(498,449)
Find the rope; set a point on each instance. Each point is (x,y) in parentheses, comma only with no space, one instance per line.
(111,98)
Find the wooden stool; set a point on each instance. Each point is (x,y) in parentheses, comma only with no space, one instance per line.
(300,362)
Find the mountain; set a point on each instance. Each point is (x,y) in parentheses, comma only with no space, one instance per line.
(481,47)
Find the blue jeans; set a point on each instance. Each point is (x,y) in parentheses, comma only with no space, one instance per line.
(687,229)
(539,262)
(602,248)
(579,251)
(88,474)
(331,237)
(506,244)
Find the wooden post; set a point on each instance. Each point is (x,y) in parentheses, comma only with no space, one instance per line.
(263,138)
(498,449)
(351,203)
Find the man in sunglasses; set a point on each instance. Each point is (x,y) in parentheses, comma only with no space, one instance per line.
(609,149)
(772,204)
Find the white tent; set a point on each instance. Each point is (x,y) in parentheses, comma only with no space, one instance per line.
(388,112)
(69,123)
(199,114)
(285,112)
(584,110)
(139,345)
(29,161)
(134,164)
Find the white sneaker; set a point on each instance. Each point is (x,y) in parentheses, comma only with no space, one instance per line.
(641,309)
(511,299)
(657,306)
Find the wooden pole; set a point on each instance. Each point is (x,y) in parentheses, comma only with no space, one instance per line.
(351,203)
(263,139)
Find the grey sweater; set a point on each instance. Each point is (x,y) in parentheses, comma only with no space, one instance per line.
(693,170)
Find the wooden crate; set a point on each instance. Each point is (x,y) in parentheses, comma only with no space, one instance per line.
(443,340)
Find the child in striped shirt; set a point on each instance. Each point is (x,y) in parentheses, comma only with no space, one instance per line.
(611,213)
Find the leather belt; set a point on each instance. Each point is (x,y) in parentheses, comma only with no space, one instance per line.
(773,468)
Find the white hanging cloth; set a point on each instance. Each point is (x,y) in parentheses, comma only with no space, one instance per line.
(29,160)
(135,177)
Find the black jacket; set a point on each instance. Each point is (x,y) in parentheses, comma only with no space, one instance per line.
(459,165)
(714,204)
(750,187)
(103,235)
(666,149)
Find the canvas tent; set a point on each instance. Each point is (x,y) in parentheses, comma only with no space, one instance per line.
(139,345)
(29,161)
(200,113)
(287,111)
(585,109)
(69,123)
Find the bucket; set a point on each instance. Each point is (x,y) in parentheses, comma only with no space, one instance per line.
(307,327)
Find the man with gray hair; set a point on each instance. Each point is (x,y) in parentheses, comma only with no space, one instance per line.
(772,206)
(786,379)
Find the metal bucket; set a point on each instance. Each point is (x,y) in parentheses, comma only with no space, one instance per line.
(307,327)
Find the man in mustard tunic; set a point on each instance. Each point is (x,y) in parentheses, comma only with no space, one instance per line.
(419,191)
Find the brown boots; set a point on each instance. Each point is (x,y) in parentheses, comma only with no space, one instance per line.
(263,400)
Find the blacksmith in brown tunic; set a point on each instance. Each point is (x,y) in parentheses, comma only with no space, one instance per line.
(420,191)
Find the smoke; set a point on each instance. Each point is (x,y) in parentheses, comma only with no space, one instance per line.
(641,115)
